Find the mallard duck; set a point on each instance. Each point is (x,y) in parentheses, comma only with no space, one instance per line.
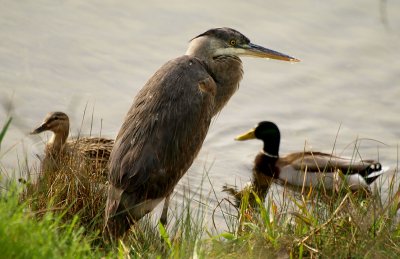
(94,151)
(308,169)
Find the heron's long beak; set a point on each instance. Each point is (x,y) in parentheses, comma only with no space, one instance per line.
(246,136)
(261,52)
(39,129)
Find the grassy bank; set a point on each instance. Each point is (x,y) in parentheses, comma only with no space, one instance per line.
(59,215)
(347,227)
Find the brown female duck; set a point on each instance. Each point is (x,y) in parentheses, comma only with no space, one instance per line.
(92,151)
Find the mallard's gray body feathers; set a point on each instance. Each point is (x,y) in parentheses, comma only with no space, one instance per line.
(313,168)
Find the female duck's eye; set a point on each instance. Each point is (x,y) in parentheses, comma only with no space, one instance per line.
(232,42)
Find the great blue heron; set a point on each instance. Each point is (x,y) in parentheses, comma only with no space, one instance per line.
(168,121)
(309,169)
(88,151)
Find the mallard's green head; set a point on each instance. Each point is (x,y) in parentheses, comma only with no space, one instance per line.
(266,131)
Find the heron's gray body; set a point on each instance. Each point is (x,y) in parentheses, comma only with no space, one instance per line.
(160,137)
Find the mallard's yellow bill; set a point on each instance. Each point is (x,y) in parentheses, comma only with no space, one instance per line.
(246,136)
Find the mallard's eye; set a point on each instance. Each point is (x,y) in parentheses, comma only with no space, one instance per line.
(232,42)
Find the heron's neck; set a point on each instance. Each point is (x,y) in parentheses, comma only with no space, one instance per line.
(227,72)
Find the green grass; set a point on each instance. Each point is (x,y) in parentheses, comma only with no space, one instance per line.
(60,216)
(22,235)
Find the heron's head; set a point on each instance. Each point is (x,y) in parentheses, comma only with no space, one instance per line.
(266,131)
(57,122)
(229,42)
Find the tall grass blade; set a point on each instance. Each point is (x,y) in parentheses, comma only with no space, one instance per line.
(4,130)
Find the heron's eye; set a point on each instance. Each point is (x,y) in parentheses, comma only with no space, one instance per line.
(232,42)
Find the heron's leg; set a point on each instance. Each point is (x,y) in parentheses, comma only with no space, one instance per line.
(164,216)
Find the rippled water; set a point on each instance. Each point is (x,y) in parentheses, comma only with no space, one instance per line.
(66,55)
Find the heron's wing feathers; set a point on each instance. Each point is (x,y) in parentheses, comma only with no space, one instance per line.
(168,119)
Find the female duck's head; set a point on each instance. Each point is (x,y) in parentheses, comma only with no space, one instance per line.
(58,123)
